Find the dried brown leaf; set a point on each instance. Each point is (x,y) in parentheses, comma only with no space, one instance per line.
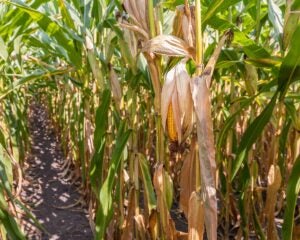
(115,86)
(188,178)
(136,29)
(182,235)
(196,217)
(274,182)
(159,181)
(202,105)
(296,232)
(141,7)
(184,24)
(127,228)
(137,11)
(153,224)
(210,66)
(140,223)
(172,233)
(188,31)
(154,73)
(251,79)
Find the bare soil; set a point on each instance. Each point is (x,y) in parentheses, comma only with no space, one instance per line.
(55,202)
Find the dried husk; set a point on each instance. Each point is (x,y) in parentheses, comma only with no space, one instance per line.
(138,19)
(176,91)
(251,79)
(188,178)
(169,45)
(184,24)
(137,12)
(115,86)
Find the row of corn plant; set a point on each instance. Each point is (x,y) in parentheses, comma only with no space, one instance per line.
(163,106)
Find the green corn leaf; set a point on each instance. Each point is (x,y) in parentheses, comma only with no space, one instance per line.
(293,189)
(102,117)
(229,122)
(65,13)
(251,134)
(216,7)
(11,226)
(290,68)
(168,187)
(105,211)
(275,16)
(257,223)
(172,4)
(34,76)
(3,50)
(99,142)
(250,47)
(2,139)
(292,111)
(282,151)
(52,28)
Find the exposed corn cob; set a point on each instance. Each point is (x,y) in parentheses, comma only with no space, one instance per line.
(171,125)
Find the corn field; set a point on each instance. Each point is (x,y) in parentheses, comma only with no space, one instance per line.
(178,119)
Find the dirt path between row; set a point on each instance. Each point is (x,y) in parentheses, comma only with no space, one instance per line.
(44,190)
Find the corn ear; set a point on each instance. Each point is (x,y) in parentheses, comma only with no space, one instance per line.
(177,93)
(171,125)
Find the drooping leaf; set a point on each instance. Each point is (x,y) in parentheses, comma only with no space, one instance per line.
(216,7)
(96,167)
(251,134)
(202,105)
(250,47)
(290,68)
(34,76)
(52,28)
(102,117)
(105,210)
(293,189)
(196,217)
